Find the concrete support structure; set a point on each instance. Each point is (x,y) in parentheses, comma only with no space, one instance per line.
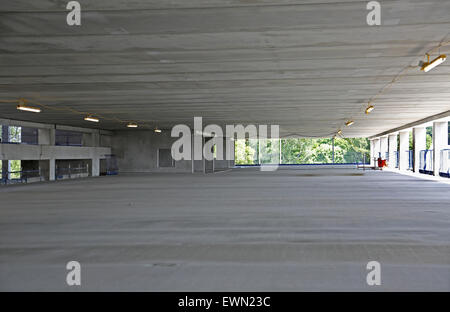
(52,169)
(392,150)
(440,142)
(46,152)
(372,153)
(376,150)
(403,153)
(95,167)
(419,143)
(46,136)
(383,146)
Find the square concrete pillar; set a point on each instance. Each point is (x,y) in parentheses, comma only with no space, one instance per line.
(440,142)
(198,164)
(5,134)
(372,152)
(46,136)
(403,153)
(95,167)
(383,146)
(5,169)
(230,152)
(419,143)
(51,169)
(392,150)
(376,149)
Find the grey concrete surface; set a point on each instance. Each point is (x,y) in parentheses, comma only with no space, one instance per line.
(308,66)
(243,229)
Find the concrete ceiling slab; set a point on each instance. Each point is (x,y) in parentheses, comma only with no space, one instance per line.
(308,66)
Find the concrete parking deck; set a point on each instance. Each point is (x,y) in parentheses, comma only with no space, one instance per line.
(243,230)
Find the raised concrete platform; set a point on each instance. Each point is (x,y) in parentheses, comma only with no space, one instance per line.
(239,230)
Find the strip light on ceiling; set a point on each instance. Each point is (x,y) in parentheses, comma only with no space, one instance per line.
(369,109)
(92,119)
(23,107)
(349,123)
(426,67)
(157,130)
(28,108)
(132,125)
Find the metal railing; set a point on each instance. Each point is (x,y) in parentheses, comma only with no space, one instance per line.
(23,176)
(444,169)
(71,172)
(426,162)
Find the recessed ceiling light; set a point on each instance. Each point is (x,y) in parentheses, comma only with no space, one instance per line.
(90,118)
(157,130)
(339,132)
(349,123)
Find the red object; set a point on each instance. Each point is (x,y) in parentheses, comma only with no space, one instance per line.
(382,163)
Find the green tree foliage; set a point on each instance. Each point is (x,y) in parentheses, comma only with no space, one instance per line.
(304,151)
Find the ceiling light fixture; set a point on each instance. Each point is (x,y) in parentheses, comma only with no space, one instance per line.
(369,109)
(132,125)
(339,132)
(157,130)
(28,108)
(426,67)
(90,118)
(349,123)
(23,107)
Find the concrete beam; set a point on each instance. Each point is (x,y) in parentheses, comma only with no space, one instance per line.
(442,116)
(42,152)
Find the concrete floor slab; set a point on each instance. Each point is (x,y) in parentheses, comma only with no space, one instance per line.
(241,230)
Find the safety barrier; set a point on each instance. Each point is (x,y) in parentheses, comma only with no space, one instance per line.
(410,159)
(71,173)
(426,162)
(24,176)
(444,169)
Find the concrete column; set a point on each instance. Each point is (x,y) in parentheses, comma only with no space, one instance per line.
(5,134)
(46,136)
(440,142)
(372,152)
(392,150)
(5,138)
(5,167)
(95,141)
(403,163)
(383,146)
(95,167)
(86,139)
(51,169)
(376,148)
(419,143)
(197,150)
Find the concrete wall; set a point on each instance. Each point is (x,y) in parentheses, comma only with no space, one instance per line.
(41,152)
(137,150)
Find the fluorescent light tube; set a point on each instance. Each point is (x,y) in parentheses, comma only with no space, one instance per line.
(28,108)
(90,118)
(436,62)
